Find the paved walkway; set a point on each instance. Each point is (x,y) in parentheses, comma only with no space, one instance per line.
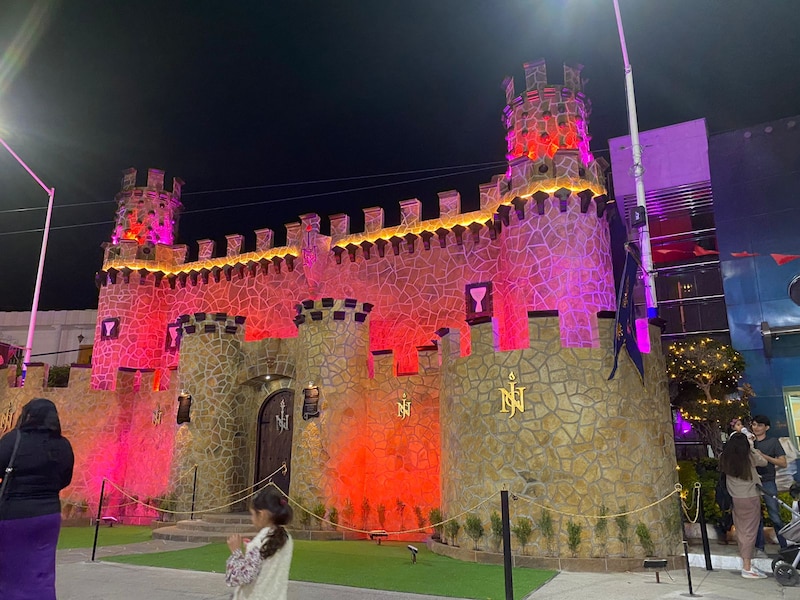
(80,579)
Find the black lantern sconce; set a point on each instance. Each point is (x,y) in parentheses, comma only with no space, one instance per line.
(184,407)
(310,401)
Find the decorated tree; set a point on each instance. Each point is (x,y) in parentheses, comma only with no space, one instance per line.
(704,375)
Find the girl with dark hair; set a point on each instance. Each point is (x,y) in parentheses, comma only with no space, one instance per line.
(262,570)
(738,462)
(40,462)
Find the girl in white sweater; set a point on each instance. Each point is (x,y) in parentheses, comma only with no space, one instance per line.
(261,571)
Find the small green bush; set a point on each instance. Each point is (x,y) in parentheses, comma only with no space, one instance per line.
(304,516)
(421,520)
(365,511)
(319,513)
(623,525)
(451,528)
(522,531)
(601,530)
(380,510)
(348,512)
(497,528)
(333,516)
(545,525)
(573,537)
(474,528)
(435,519)
(645,540)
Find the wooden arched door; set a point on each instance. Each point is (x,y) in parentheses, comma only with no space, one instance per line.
(275,430)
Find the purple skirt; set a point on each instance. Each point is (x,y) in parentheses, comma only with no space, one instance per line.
(28,558)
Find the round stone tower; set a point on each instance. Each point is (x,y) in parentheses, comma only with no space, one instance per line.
(214,436)
(330,410)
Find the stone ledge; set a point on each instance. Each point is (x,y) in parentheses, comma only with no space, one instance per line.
(585,565)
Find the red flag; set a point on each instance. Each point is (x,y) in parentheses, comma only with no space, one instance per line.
(782,259)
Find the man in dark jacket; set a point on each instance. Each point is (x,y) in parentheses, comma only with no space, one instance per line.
(771,449)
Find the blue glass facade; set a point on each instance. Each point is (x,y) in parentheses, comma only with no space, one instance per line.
(755,177)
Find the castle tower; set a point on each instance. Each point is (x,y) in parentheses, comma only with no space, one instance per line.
(558,258)
(148,215)
(331,366)
(214,437)
(132,322)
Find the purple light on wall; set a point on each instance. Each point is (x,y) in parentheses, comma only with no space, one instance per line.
(643,336)
(682,426)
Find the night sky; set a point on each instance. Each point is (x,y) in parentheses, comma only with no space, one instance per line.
(250,94)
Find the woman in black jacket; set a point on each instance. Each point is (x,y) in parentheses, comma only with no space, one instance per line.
(30,509)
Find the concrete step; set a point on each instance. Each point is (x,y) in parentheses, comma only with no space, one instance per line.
(178,534)
(226,528)
(238,517)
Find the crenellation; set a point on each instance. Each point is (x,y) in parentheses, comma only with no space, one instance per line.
(535,74)
(128,180)
(294,234)
(340,227)
(233,245)
(36,376)
(205,249)
(373,219)
(155,179)
(410,212)
(449,204)
(179,252)
(382,364)
(265,239)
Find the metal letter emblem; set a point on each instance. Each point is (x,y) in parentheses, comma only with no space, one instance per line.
(7,419)
(404,407)
(513,398)
(283,418)
(157,415)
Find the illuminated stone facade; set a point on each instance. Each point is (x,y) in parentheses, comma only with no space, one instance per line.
(407,333)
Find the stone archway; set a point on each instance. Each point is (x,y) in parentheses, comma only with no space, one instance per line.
(275,430)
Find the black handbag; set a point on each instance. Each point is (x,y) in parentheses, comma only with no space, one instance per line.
(9,468)
(722,495)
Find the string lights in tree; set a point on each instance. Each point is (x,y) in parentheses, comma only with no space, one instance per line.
(707,373)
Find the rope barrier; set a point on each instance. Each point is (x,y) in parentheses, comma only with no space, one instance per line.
(135,500)
(677,490)
(368,531)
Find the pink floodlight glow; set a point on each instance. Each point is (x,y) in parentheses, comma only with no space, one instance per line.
(682,426)
(643,336)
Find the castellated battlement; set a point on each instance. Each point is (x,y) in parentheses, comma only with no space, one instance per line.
(128,379)
(218,323)
(544,192)
(332,309)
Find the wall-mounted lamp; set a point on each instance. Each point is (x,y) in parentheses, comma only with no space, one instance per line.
(310,401)
(184,407)
(80,338)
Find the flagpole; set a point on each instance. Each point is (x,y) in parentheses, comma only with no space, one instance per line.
(644,230)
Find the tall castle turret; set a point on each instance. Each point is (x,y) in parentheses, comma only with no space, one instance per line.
(148,215)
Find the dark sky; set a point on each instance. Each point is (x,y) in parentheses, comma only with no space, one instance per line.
(258,93)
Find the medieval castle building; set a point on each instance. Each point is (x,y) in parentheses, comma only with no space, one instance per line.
(432,362)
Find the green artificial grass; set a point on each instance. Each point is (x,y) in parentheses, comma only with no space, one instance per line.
(368,565)
(83,537)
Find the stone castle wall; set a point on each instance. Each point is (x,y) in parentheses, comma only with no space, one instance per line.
(126,435)
(581,442)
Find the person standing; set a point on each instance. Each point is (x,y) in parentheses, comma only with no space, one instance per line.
(30,509)
(262,570)
(772,451)
(738,462)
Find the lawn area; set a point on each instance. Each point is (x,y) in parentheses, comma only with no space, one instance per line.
(82,537)
(367,565)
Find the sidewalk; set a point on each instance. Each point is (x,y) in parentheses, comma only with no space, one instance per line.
(79,579)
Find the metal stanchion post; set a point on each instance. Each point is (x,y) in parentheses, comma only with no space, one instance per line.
(506,544)
(703,530)
(194,492)
(99,514)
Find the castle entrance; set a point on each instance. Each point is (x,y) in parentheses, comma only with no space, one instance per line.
(275,429)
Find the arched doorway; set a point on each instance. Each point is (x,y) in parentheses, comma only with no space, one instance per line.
(275,430)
